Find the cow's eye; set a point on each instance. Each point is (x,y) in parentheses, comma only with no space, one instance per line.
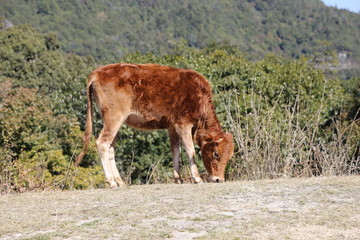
(216,155)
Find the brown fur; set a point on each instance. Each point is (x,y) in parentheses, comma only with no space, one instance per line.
(151,96)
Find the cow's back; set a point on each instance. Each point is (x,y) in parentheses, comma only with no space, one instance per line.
(160,95)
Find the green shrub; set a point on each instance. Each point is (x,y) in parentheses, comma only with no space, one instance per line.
(34,141)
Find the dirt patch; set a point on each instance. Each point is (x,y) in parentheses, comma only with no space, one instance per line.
(315,208)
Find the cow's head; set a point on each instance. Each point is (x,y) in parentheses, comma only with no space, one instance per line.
(216,150)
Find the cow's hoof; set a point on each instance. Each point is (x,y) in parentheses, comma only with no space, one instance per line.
(113,185)
(198,180)
(120,183)
(178,181)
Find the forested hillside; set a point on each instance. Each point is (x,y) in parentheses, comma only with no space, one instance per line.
(109,29)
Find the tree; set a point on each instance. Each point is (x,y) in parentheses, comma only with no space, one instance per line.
(41,102)
(31,59)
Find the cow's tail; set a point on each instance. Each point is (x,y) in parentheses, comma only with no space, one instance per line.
(89,117)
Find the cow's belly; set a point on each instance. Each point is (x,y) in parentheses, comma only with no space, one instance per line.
(138,121)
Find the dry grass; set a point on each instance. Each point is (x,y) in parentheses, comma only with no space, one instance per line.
(313,208)
(275,143)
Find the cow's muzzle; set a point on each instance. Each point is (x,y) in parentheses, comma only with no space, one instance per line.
(215,179)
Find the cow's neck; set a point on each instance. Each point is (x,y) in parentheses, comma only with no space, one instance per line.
(208,125)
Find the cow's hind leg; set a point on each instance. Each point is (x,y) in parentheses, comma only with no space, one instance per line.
(175,151)
(104,144)
(186,139)
(114,170)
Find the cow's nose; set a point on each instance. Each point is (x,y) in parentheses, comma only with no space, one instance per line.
(214,179)
(218,180)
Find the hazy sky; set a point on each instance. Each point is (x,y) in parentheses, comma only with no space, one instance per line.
(352,5)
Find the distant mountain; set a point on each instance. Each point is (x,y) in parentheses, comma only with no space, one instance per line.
(109,29)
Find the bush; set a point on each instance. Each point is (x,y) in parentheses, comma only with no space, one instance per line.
(34,143)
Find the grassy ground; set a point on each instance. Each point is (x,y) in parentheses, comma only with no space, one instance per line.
(315,208)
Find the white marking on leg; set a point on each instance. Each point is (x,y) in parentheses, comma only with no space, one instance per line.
(186,138)
(114,170)
(104,149)
(193,168)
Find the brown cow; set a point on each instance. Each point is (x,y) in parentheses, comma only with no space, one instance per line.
(151,96)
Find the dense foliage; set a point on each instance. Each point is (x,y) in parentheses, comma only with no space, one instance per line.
(41,103)
(110,29)
(287,117)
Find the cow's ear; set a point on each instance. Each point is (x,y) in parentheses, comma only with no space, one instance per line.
(207,138)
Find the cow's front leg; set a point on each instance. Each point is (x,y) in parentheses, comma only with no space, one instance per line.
(186,138)
(193,168)
(175,151)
